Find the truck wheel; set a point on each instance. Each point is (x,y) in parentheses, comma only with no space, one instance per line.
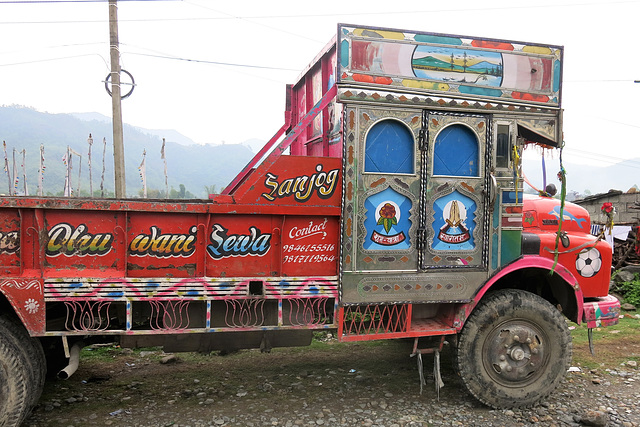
(513,350)
(14,390)
(32,351)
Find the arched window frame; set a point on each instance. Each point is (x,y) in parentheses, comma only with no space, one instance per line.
(412,148)
(479,159)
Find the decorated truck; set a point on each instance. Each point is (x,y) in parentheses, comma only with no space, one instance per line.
(390,204)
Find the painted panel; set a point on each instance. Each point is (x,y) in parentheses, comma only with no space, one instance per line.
(470,66)
(242,245)
(163,245)
(294,180)
(91,243)
(388,220)
(456,224)
(310,246)
(510,245)
(9,241)
(387,194)
(381,208)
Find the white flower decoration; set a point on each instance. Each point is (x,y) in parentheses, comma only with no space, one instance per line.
(32,305)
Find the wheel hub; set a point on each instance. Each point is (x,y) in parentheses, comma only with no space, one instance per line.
(516,353)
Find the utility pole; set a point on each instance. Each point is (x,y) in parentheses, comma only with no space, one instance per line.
(116,101)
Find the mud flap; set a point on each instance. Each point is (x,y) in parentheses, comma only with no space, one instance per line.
(436,365)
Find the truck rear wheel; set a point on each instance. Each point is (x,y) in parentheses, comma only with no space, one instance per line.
(513,350)
(14,386)
(31,348)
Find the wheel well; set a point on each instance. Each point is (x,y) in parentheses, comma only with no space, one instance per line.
(547,285)
(5,306)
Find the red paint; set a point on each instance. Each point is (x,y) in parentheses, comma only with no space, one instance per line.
(487,44)
(576,226)
(365,78)
(362,55)
(547,74)
(529,96)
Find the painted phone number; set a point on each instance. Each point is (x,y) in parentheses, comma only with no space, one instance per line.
(329,247)
(308,258)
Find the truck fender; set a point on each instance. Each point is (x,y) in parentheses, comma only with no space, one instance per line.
(530,261)
(26,297)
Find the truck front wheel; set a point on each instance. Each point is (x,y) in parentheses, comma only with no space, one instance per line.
(513,350)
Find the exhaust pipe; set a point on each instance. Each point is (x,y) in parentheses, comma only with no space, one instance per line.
(74,360)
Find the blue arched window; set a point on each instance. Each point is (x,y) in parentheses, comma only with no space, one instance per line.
(456,152)
(389,148)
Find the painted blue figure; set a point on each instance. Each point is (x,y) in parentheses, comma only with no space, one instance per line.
(568,216)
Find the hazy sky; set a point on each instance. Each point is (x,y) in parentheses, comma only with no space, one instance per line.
(54,57)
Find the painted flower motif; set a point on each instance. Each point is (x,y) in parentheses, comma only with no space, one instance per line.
(32,306)
(387,217)
(388,211)
(528,217)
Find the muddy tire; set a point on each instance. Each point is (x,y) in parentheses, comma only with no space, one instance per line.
(14,385)
(32,352)
(514,349)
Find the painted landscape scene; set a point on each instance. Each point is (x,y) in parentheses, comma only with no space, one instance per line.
(455,65)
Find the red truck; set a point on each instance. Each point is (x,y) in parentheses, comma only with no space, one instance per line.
(390,204)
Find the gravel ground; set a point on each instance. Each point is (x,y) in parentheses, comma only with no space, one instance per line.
(349,385)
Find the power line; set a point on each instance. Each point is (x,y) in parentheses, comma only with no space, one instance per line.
(298,16)
(35,61)
(211,62)
(254,23)
(603,158)
(71,1)
(601,81)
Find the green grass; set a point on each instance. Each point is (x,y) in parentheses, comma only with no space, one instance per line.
(627,327)
(613,345)
(629,291)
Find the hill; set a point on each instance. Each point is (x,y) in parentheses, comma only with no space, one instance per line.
(194,166)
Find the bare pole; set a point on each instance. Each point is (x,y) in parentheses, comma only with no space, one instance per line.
(116,101)
(24,171)
(16,178)
(104,153)
(90,141)
(6,168)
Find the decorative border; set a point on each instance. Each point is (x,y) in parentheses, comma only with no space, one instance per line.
(440,103)
(189,288)
(439,286)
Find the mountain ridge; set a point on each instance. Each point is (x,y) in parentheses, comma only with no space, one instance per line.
(200,168)
(197,167)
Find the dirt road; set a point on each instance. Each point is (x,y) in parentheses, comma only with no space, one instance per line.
(331,384)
